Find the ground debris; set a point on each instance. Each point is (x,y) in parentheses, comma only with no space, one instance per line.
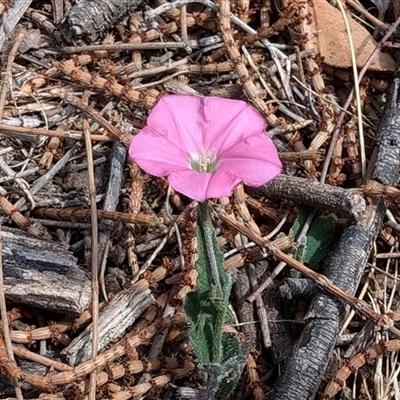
(78,81)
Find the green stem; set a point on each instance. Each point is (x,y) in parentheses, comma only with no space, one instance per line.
(216,293)
(208,230)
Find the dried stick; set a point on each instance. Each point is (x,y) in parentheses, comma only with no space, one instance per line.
(21,130)
(7,77)
(117,133)
(183,22)
(53,331)
(43,180)
(10,364)
(23,222)
(255,383)
(318,195)
(382,321)
(111,201)
(340,120)
(135,192)
(360,8)
(261,308)
(94,254)
(22,352)
(351,366)
(193,44)
(344,266)
(79,214)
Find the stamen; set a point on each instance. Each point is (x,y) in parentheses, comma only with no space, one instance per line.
(204,162)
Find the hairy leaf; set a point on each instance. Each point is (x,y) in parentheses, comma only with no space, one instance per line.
(218,352)
(315,245)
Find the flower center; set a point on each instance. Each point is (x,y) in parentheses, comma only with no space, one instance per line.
(203,163)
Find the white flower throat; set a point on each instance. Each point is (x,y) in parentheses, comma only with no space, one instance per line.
(204,162)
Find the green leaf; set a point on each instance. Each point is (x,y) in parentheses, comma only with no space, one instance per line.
(315,245)
(207,310)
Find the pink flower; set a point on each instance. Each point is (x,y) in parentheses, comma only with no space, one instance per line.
(206,146)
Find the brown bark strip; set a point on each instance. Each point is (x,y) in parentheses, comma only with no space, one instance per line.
(81,214)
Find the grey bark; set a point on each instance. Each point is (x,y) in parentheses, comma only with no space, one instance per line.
(116,317)
(308,363)
(387,163)
(312,193)
(11,18)
(43,274)
(88,20)
(293,287)
(244,309)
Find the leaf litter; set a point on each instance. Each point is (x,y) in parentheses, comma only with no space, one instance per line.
(293,64)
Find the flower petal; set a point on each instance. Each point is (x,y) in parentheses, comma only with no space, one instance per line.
(222,184)
(203,186)
(229,121)
(204,123)
(255,160)
(178,119)
(181,126)
(190,183)
(155,154)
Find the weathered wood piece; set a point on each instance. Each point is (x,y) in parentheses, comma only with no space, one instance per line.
(110,204)
(89,19)
(115,318)
(43,274)
(244,309)
(312,193)
(293,287)
(388,162)
(11,19)
(308,363)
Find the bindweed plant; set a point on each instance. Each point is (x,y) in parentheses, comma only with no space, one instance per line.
(207,310)
(206,146)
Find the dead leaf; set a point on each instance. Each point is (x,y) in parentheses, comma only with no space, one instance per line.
(330,38)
